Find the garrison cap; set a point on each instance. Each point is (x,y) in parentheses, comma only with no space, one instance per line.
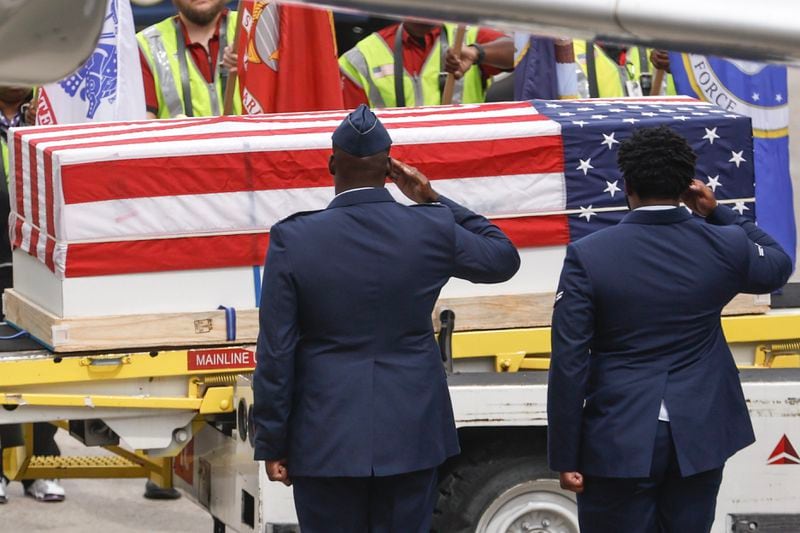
(361,134)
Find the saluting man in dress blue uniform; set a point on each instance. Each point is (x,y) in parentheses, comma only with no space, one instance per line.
(644,401)
(351,398)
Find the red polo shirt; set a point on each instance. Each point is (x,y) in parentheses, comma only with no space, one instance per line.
(204,57)
(415,53)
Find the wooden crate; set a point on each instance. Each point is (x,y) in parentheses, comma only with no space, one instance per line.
(119,332)
(126,331)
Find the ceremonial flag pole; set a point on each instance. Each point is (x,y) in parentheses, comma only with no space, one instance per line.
(450,85)
(230,83)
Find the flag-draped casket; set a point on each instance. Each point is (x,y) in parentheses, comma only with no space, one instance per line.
(174,215)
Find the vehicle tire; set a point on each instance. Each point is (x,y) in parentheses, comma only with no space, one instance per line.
(496,491)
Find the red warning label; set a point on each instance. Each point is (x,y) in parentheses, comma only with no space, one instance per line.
(784,454)
(221,358)
(184,463)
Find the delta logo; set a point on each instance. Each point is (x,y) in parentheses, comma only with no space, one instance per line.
(784,454)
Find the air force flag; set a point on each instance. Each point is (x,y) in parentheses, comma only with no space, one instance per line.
(758,91)
(108,86)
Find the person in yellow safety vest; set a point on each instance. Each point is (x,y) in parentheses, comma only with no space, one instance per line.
(608,71)
(182,60)
(406,65)
(15,111)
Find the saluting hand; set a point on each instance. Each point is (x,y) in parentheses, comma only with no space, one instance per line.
(276,471)
(699,198)
(412,183)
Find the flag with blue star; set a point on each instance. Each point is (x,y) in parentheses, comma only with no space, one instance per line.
(591,131)
(758,91)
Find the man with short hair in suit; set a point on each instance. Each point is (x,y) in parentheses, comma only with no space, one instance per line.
(351,398)
(644,400)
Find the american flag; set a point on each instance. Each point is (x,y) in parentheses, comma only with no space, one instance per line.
(593,129)
(200,193)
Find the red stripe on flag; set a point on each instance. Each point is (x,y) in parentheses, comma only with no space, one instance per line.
(529,232)
(188,253)
(245,171)
(16,236)
(161,255)
(49,254)
(34,242)
(49,202)
(34,186)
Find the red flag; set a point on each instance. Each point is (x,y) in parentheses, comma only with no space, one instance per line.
(287,59)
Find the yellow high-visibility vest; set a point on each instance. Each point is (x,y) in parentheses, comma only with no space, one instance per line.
(370,65)
(161,46)
(611,77)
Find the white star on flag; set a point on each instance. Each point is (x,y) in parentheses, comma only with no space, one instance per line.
(665,110)
(634,107)
(566,114)
(602,103)
(699,114)
(713,183)
(585,109)
(740,207)
(681,118)
(649,114)
(610,140)
(737,158)
(756,97)
(711,134)
(599,117)
(731,116)
(631,120)
(779,97)
(585,166)
(612,188)
(580,123)
(587,213)
(552,106)
(615,110)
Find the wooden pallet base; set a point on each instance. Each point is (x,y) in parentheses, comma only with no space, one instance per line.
(209,328)
(127,331)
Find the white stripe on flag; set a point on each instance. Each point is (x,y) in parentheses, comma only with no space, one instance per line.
(157,217)
(244,127)
(307,141)
(26,237)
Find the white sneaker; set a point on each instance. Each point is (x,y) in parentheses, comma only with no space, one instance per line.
(3,493)
(46,490)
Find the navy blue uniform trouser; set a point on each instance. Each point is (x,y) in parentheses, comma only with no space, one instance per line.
(663,503)
(393,504)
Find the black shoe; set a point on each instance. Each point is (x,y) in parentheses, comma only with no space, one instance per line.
(154,492)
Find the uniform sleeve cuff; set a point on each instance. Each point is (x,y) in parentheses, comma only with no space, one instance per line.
(267,453)
(722,215)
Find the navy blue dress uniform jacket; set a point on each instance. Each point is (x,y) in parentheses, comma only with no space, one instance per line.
(637,319)
(349,379)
